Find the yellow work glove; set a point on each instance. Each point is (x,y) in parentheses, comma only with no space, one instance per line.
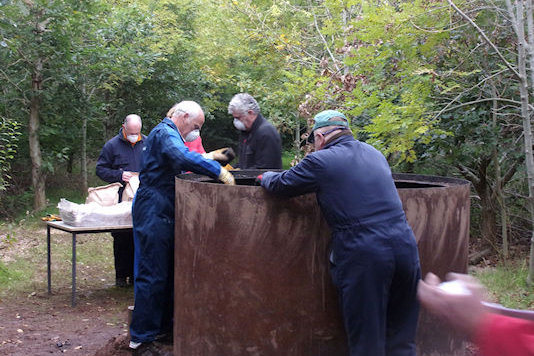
(222,155)
(226,177)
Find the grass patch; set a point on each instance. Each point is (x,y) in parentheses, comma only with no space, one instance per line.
(506,285)
(11,275)
(287,157)
(24,254)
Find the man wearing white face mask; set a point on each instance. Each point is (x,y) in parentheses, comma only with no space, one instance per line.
(260,145)
(119,160)
(165,155)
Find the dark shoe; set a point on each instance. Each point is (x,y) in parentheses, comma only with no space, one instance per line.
(152,349)
(165,338)
(121,282)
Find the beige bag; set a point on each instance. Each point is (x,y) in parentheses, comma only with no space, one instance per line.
(130,188)
(105,196)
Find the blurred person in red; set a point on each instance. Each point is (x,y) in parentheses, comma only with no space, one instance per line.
(224,155)
(196,146)
(496,330)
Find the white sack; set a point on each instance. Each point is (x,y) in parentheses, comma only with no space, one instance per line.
(95,215)
(131,188)
(106,195)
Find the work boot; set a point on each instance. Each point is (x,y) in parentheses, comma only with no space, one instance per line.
(121,282)
(151,349)
(165,338)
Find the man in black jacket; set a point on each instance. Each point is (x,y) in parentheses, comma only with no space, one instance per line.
(119,160)
(260,145)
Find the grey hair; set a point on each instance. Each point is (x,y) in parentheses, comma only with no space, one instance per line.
(190,107)
(243,102)
(132,117)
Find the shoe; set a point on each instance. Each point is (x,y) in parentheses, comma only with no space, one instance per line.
(150,349)
(121,282)
(165,338)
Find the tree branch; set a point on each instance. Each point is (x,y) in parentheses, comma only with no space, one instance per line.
(334,60)
(483,100)
(466,172)
(488,41)
(511,172)
(466,91)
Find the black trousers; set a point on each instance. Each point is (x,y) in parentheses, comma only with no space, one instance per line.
(123,251)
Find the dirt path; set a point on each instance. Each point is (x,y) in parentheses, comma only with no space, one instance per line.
(44,325)
(33,323)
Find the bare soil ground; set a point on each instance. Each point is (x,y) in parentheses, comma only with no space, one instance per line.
(44,325)
(36,323)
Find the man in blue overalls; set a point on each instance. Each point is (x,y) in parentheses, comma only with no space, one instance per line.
(164,156)
(374,257)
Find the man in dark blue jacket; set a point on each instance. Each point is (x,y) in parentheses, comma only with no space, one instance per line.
(374,257)
(260,145)
(165,155)
(119,160)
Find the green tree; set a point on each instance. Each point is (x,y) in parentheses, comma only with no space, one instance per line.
(35,46)
(9,132)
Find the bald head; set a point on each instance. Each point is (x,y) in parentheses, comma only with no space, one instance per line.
(132,118)
(191,108)
(187,116)
(132,125)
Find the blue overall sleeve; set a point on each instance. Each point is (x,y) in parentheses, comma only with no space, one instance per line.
(298,180)
(181,159)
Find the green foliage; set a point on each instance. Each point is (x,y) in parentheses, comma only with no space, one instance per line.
(507,285)
(15,205)
(9,132)
(9,275)
(390,58)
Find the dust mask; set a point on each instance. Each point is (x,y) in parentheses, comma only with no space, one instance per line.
(132,138)
(192,136)
(239,125)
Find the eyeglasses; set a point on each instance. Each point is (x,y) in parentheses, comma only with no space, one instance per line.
(311,136)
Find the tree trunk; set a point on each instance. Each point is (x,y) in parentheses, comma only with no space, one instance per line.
(38,176)
(499,180)
(488,217)
(527,130)
(84,154)
(83,149)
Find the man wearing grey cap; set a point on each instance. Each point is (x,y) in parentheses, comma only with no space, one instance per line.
(374,261)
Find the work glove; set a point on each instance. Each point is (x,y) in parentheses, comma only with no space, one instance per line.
(226,177)
(222,155)
(258,179)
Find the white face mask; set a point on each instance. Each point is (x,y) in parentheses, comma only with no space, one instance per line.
(132,138)
(192,136)
(239,125)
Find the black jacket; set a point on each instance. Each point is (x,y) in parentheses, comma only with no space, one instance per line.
(261,147)
(119,155)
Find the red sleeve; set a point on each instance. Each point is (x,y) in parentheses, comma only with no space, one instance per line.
(505,336)
(196,146)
